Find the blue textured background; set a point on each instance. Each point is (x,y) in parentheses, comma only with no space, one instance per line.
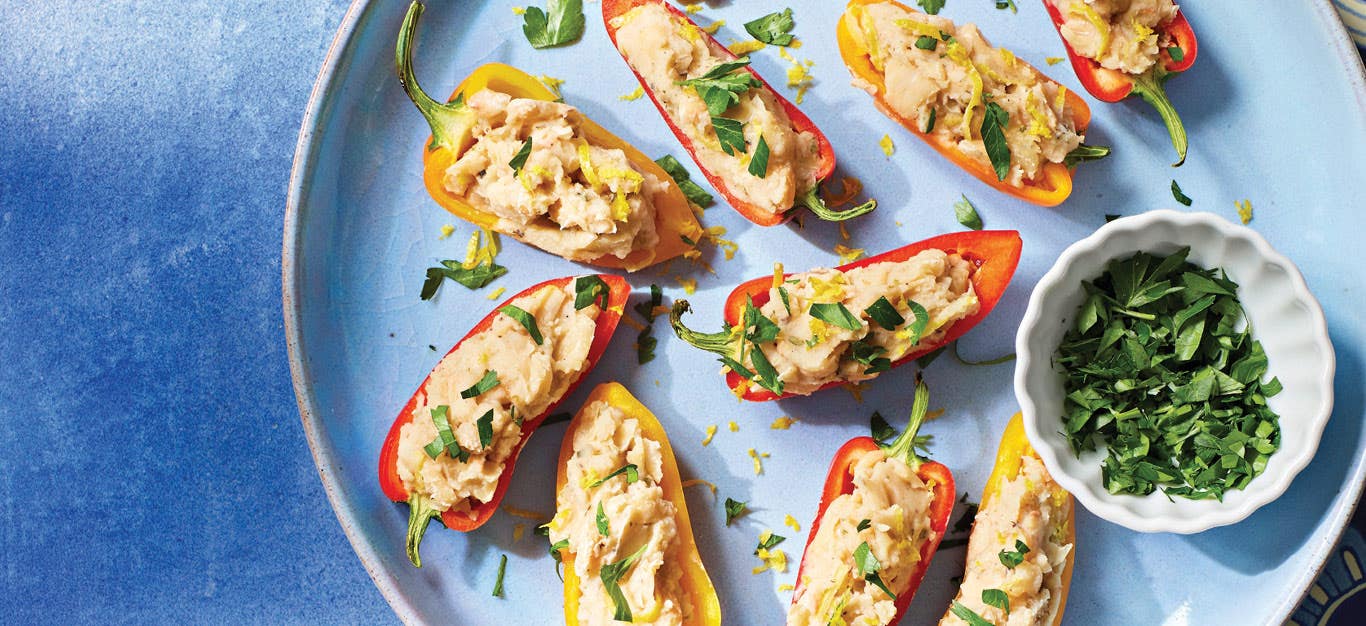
(153,467)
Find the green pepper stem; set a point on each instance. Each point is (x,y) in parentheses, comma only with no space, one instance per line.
(811,199)
(1084,152)
(1149,86)
(442,118)
(719,343)
(420,516)
(904,445)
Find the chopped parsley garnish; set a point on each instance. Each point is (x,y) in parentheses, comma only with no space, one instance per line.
(864,524)
(527,320)
(773,29)
(445,438)
(1180,195)
(868,354)
(561,23)
(502,569)
(768,541)
(916,330)
(929,125)
(925,42)
(1007,4)
(1012,558)
(555,550)
(867,566)
(968,615)
(884,314)
(694,192)
(996,598)
(645,345)
(588,290)
(758,162)
(472,277)
(835,314)
(731,135)
(647,308)
(782,295)
(994,122)
(1084,152)
(489,381)
(721,86)
(758,328)
(882,432)
(734,509)
(1176,53)
(603,528)
(931,6)
(630,470)
(519,160)
(768,376)
(485,426)
(610,575)
(967,213)
(646,342)
(1161,369)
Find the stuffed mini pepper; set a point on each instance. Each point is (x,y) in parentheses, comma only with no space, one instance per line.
(756,148)
(506,155)
(621,524)
(1020,552)
(795,334)
(449,455)
(1121,48)
(988,112)
(881,518)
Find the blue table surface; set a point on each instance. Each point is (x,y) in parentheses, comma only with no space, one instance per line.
(152,465)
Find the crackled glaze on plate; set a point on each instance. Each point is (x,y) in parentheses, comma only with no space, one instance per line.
(360,232)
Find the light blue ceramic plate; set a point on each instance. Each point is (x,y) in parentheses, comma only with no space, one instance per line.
(1276,109)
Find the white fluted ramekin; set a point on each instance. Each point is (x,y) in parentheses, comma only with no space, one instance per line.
(1284,316)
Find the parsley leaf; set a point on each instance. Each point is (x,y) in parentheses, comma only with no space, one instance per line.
(867,566)
(767,541)
(721,86)
(1010,558)
(445,437)
(590,289)
(555,551)
(768,376)
(929,125)
(968,615)
(918,326)
(884,314)
(731,135)
(835,314)
(489,381)
(772,29)
(1179,195)
(931,6)
(472,278)
(502,569)
(1176,53)
(603,528)
(996,598)
(734,509)
(868,354)
(519,160)
(967,214)
(758,328)
(925,42)
(994,121)
(645,345)
(882,432)
(610,575)
(485,427)
(630,470)
(758,162)
(527,320)
(864,524)
(563,23)
(691,190)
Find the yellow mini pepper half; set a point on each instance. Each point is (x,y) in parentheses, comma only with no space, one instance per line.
(706,608)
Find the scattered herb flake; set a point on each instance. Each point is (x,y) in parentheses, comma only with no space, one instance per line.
(758,162)
(485,427)
(519,160)
(502,569)
(1012,558)
(1179,195)
(773,29)
(967,213)
(731,135)
(590,289)
(968,615)
(561,23)
(994,122)
(611,574)
(835,314)
(527,320)
(996,598)
(734,509)
(489,381)
(931,6)
(925,42)
(867,566)
(630,470)
(603,528)
(691,190)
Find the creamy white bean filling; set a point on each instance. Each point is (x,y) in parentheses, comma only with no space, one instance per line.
(1122,35)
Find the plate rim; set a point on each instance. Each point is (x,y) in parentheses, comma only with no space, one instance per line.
(300,175)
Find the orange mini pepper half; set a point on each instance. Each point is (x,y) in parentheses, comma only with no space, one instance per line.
(810,198)
(451,123)
(702,599)
(993,253)
(1114,85)
(1051,188)
(1010,455)
(420,512)
(840,481)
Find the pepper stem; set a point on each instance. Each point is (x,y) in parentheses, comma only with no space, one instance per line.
(719,343)
(904,445)
(811,199)
(1149,86)
(1084,152)
(446,120)
(420,516)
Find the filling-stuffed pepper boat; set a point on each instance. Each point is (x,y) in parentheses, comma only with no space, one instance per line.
(450,452)
(795,334)
(756,148)
(621,524)
(995,116)
(506,155)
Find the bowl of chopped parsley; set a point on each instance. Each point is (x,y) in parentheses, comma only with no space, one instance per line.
(1174,371)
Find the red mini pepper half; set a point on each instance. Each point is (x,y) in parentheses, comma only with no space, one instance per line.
(420,512)
(611,9)
(995,253)
(1114,85)
(840,481)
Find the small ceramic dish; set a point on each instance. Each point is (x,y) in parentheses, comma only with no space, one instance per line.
(1285,317)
